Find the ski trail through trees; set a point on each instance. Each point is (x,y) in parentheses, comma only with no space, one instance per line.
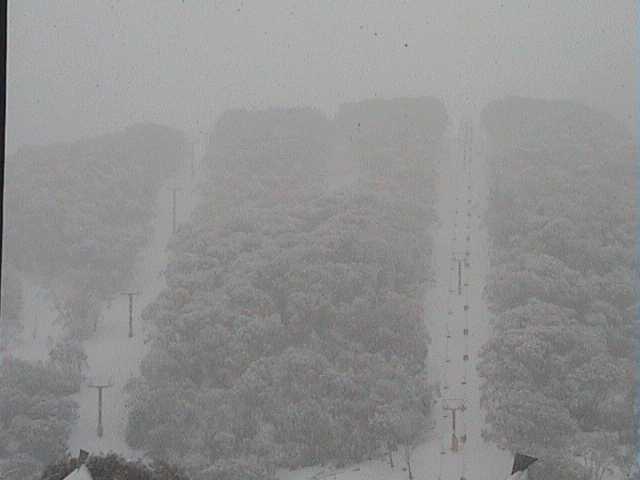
(113,357)
(462,187)
(459,323)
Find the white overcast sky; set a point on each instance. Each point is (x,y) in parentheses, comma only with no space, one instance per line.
(84,67)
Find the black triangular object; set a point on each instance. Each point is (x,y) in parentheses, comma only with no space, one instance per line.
(83,456)
(521,462)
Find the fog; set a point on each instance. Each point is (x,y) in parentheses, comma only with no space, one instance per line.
(305,240)
(78,68)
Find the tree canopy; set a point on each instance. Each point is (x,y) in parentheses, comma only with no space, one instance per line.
(36,417)
(78,214)
(291,331)
(559,368)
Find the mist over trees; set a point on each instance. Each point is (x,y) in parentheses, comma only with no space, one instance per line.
(248,239)
(292,332)
(77,217)
(558,372)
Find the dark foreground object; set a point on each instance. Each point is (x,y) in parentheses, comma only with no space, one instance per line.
(113,466)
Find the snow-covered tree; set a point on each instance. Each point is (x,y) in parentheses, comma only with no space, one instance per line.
(293,310)
(36,416)
(557,374)
(78,214)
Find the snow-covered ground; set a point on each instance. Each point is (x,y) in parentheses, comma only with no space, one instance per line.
(462,189)
(113,357)
(38,319)
(462,192)
(463,199)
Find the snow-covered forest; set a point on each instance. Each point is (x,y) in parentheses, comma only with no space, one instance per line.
(301,240)
(292,329)
(293,326)
(77,216)
(558,371)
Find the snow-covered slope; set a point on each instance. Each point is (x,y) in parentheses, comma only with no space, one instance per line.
(463,201)
(113,357)
(462,191)
(40,331)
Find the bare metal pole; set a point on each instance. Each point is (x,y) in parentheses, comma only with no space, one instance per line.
(173,206)
(131,295)
(459,258)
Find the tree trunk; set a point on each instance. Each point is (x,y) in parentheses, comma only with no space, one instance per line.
(407,457)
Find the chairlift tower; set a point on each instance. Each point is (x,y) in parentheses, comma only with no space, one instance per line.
(466,138)
(100,387)
(461,258)
(131,295)
(454,405)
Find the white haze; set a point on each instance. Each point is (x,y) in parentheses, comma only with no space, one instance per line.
(80,68)
(83,67)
